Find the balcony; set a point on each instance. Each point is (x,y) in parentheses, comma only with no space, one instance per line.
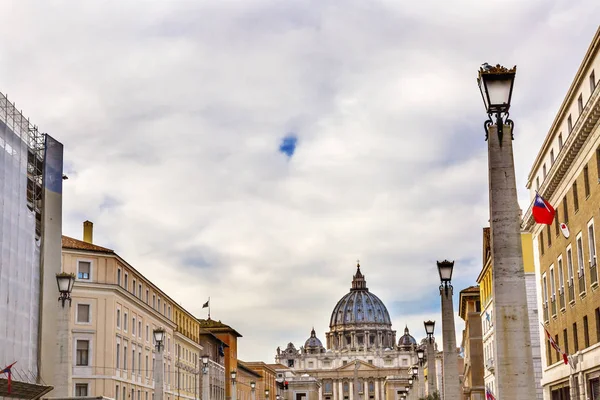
(553,305)
(561,299)
(581,283)
(545,312)
(489,364)
(571,291)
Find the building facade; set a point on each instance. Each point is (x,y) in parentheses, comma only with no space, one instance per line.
(31,165)
(214,348)
(268,380)
(361,359)
(566,172)
(114,313)
(486,281)
(473,387)
(245,376)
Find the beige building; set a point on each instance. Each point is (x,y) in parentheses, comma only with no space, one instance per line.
(472,343)
(566,172)
(114,312)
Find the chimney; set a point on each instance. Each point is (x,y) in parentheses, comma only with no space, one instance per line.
(88,231)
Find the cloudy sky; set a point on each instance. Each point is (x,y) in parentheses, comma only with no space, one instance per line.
(252,151)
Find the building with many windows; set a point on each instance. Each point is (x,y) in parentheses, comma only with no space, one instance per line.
(114,312)
(566,172)
(486,281)
(469,310)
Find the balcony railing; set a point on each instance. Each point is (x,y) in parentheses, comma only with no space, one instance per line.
(593,271)
(581,283)
(553,305)
(546,312)
(571,291)
(561,298)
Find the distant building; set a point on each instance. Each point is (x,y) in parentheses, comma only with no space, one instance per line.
(268,380)
(361,359)
(566,172)
(245,376)
(470,311)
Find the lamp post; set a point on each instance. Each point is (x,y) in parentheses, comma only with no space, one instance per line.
(233,389)
(253,390)
(62,372)
(205,378)
(159,371)
(514,368)
(450,362)
(418,373)
(431,372)
(266,394)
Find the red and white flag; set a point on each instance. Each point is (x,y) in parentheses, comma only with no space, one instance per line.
(555,347)
(8,371)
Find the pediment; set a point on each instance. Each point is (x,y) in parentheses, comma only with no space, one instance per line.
(362,366)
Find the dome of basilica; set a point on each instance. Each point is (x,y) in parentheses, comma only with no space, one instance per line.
(359,306)
(406,340)
(313,343)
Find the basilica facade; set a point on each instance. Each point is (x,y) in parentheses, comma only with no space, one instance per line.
(361,359)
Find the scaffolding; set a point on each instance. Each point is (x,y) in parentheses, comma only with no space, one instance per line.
(34,140)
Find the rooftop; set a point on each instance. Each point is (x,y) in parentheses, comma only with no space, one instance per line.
(75,244)
(216,326)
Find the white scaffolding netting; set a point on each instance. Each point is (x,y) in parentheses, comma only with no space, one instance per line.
(19,245)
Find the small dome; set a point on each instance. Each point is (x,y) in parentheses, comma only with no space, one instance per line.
(313,341)
(406,340)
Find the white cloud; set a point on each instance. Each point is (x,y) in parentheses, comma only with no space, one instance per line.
(172,112)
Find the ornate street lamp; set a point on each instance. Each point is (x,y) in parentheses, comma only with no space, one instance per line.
(420,356)
(496,86)
(205,359)
(233,376)
(266,393)
(159,335)
(415,370)
(410,381)
(429,327)
(65,283)
(278,397)
(445,269)
(252,385)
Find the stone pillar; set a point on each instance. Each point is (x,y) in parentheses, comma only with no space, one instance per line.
(206,385)
(514,360)
(253,395)
(233,391)
(335,391)
(421,382)
(376,388)
(321,392)
(431,370)
(366,389)
(450,366)
(64,351)
(351,390)
(159,374)
(341,390)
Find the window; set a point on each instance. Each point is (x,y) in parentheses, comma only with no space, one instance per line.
(124,393)
(598,325)
(81,389)
(592,82)
(558,356)
(147,332)
(154,301)
(83,270)
(133,288)
(537,183)
(311,364)
(118,319)
(117,392)
(165,308)
(83,349)
(140,328)
(586,181)
(560,141)
(566,340)
(169,315)
(83,313)
(570,272)
(580,255)
(575,339)
(118,356)
(119,280)
(549,235)
(565,210)
(140,290)
(147,369)
(586,333)
(556,223)
(545,296)
(552,287)
(544,170)
(592,244)
(570,124)
(126,282)
(561,278)
(125,322)
(159,304)
(140,361)
(291,363)
(575,197)
(598,163)
(542,243)
(147,292)
(133,326)
(125,357)
(133,360)
(551,156)
(580,103)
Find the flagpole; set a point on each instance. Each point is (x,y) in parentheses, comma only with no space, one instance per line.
(208,307)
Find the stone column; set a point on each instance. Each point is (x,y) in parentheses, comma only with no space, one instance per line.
(376,388)
(321,392)
(206,384)
(351,390)
(450,366)
(253,395)
(335,391)
(233,391)
(431,370)
(421,383)
(341,389)
(514,360)
(159,374)
(366,389)
(64,356)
